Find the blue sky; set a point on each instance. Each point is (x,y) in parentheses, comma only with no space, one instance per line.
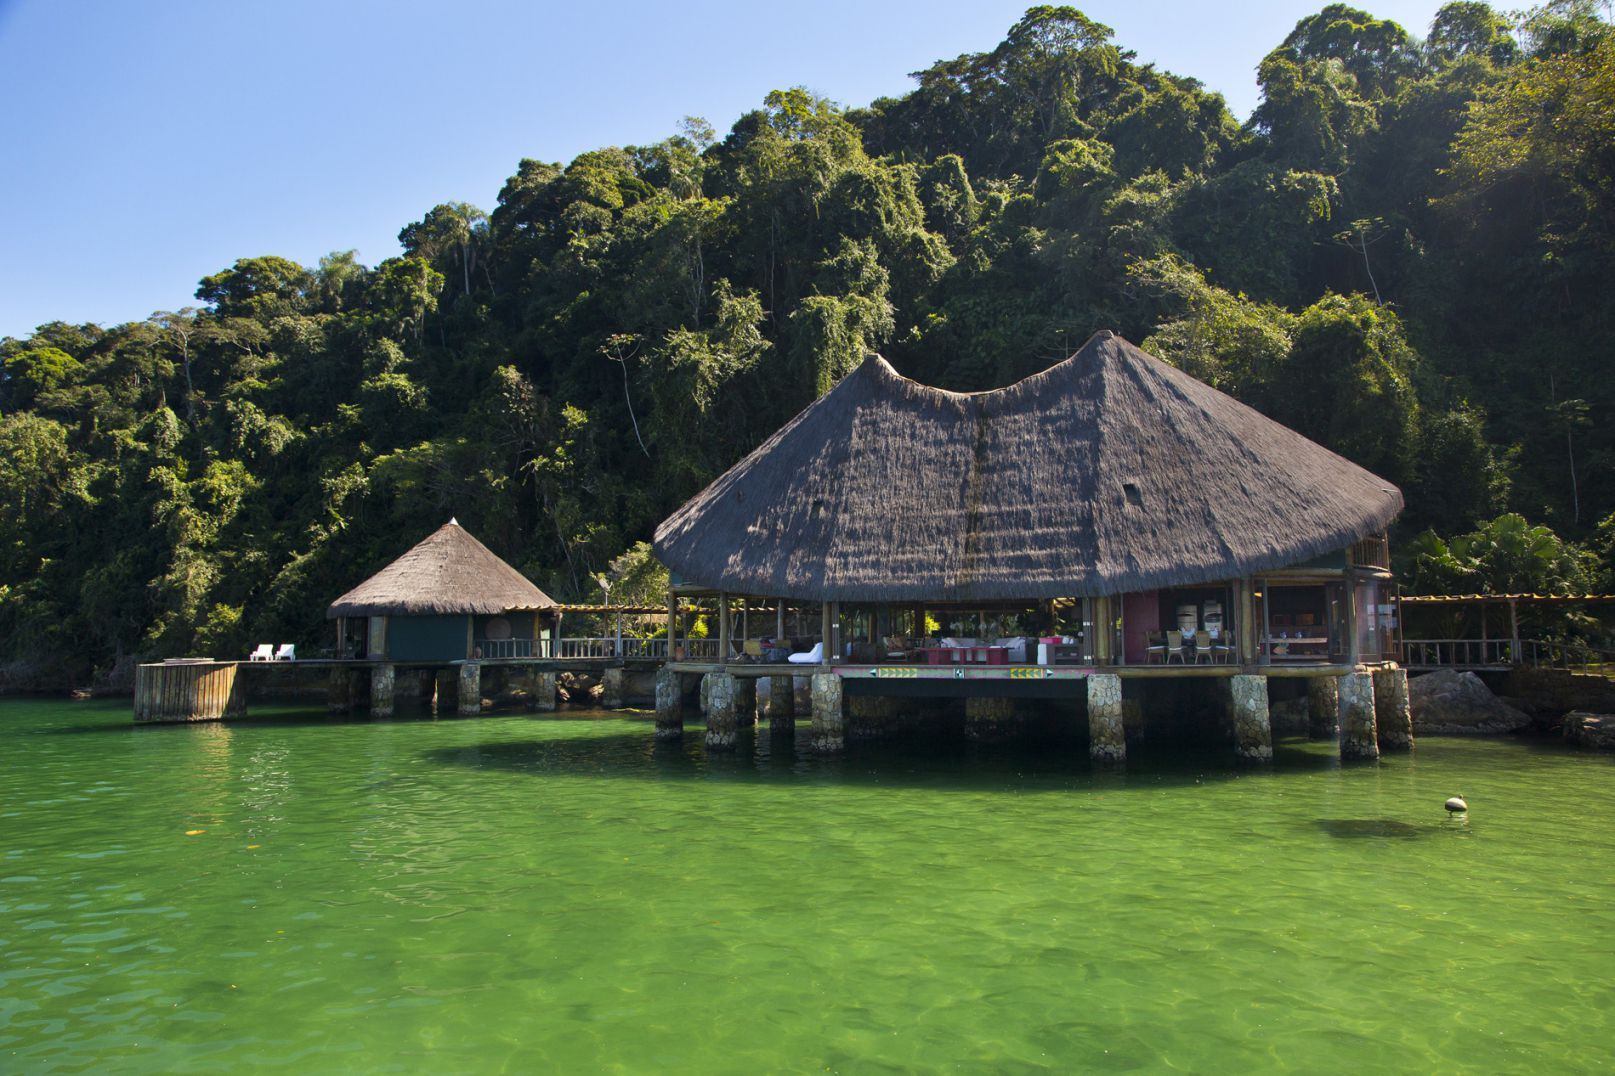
(148,144)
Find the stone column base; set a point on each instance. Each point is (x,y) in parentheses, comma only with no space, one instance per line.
(719,689)
(381,690)
(1107,737)
(745,702)
(669,705)
(870,717)
(828,721)
(1393,715)
(544,697)
(989,720)
(1247,708)
(470,689)
(1323,707)
(1358,737)
(781,705)
(614,688)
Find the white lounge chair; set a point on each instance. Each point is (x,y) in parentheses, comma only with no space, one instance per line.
(287,652)
(265,652)
(812,657)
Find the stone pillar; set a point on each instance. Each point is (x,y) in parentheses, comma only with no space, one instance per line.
(613,687)
(1323,707)
(745,702)
(720,692)
(803,688)
(669,705)
(988,720)
(1358,737)
(1247,707)
(828,722)
(870,717)
(781,705)
(544,697)
(1393,716)
(1107,740)
(381,691)
(339,696)
(470,689)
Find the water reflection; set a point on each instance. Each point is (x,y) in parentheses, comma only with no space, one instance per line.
(944,763)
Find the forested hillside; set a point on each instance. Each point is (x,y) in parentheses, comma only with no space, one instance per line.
(1406,254)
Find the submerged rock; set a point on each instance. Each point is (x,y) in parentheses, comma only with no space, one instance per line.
(1596,732)
(1460,702)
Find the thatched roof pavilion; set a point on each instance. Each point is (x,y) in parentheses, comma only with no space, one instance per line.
(448,573)
(1110,472)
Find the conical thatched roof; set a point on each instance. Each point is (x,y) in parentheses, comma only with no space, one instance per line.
(1109,472)
(448,572)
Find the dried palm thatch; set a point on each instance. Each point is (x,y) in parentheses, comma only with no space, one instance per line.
(1107,473)
(449,572)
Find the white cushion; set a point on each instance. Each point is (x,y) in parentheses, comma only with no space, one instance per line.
(812,657)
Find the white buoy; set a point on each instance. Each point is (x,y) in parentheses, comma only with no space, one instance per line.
(1457,804)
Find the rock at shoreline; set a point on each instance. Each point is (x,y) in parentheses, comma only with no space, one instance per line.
(1595,732)
(1446,702)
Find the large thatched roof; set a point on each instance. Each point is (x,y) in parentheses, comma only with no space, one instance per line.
(448,572)
(1109,472)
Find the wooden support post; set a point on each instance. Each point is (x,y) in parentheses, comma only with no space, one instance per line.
(616,641)
(1515,657)
(1358,737)
(1107,737)
(669,704)
(1103,633)
(470,689)
(824,632)
(672,624)
(1393,714)
(720,691)
(1245,621)
(1247,709)
(381,690)
(723,627)
(828,721)
(745,702)
(779,625)
(1323,707)
(613,687)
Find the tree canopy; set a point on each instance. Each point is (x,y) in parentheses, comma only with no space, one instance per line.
(1405,255)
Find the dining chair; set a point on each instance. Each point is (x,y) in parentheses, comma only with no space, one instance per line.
(1202,647)
(1174,647)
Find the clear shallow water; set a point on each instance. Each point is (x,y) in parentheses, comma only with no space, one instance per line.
(522,894)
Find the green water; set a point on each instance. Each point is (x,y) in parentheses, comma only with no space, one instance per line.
(524,894)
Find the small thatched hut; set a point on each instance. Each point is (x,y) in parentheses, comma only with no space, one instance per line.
(1111,486)
(448,598)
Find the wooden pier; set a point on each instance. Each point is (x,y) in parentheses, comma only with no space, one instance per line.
(189,689)
(201,689)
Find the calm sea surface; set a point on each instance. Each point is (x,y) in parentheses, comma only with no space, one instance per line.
(531,894)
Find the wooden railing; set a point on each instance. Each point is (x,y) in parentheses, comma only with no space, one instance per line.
(508,648)
(606,646)
(1457,653)
(1573,657)
(1502,653)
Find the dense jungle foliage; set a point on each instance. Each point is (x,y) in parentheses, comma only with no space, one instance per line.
(1405,254)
